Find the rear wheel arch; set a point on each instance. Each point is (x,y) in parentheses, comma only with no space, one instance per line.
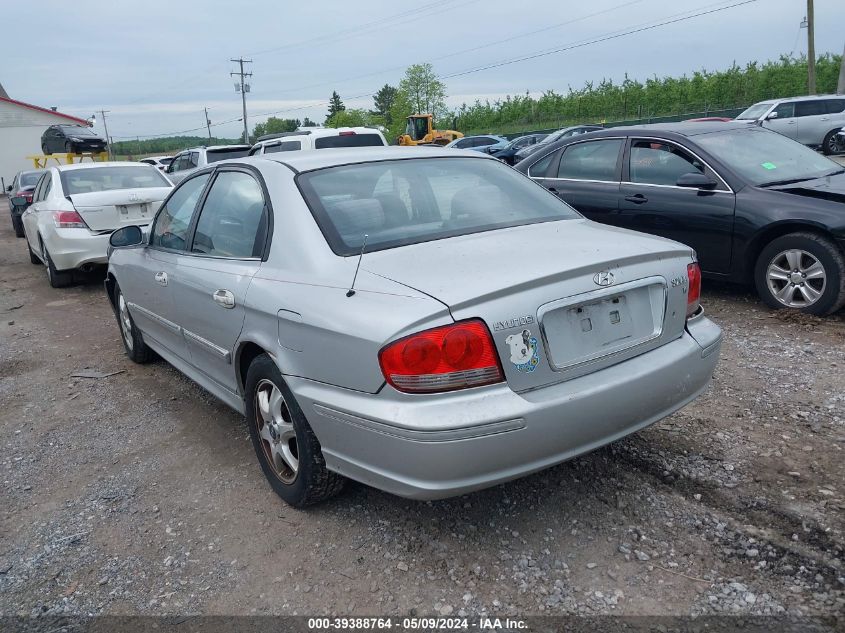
(110,284)
(772,232)
(247,352)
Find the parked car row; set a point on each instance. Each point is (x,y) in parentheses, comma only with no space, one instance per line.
(395,316)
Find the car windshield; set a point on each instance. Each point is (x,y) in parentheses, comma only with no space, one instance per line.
(400,202)
(754,112)
(766,158)
(215,155)
(76,181)
(72,130)
(165,161)
(29,178)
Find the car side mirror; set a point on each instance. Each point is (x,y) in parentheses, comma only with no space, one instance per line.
(9,188)
(771,115)
(18,201)
(696,180)
(126,236)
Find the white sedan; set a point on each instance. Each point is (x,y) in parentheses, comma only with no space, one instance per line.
(75,208)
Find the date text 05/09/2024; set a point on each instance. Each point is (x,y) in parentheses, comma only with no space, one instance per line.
(416,623)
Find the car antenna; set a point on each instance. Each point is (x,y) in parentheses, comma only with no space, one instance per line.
(351,290)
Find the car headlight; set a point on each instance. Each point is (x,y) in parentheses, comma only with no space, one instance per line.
(75,139)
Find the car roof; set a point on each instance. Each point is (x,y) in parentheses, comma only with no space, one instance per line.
(681,128)
(803,98)
(113,163)
(317,132)
(306,161)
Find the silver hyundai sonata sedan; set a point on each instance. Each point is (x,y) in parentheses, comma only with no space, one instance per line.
(425,322)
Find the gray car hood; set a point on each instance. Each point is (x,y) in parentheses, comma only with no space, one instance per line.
(477,267)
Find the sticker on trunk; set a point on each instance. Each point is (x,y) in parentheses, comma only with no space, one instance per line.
(523,349)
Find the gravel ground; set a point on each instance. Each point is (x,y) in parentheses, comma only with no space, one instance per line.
(138,493)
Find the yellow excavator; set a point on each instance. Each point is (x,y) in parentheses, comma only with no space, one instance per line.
(420,131)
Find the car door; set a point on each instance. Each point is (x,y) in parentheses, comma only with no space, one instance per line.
(586,175)
(30,218)
(785,121)
(652,202)
(149,275)
(812,121)
(180,164)
(225,252)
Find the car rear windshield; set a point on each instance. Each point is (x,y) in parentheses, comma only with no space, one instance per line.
(165,161)
(348,140)
(766,158)
(754,112)
(29,178)
(400,202)
(215,155)
(94,179)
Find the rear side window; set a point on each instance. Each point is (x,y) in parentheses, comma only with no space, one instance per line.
(593,160)
(541,168)
(173,220)
(810,108)
(284,146)
(835,106)
(400,202)
(233,220)
(348,140)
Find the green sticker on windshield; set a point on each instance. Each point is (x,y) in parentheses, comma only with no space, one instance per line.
(769,165)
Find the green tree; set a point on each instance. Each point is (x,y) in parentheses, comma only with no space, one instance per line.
(383,101)
(399,112)
(306,122)
(274,126)
(354,117)
(335,105)
(424,90)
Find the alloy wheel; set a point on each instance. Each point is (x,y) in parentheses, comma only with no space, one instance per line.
(125,321)
(46,257)
(275,428)
(796,278)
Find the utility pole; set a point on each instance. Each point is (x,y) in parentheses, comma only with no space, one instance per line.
(207,123)
(106,128)
(811,50)
(243,88)
(840,86)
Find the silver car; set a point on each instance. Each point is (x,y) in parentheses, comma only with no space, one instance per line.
(426,323)
(813,121)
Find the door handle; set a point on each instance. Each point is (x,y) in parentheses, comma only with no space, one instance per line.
(224,298)
(161,278)
(636,198)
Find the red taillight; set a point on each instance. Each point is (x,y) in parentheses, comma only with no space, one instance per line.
(445,358)
(694,290)
(27,195)
(348,133)
(68,220)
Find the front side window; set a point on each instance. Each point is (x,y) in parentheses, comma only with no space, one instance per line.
(233,220)
(785,110)
(401,202)
(658,163)
(194,160)
(593,160)
(173,220)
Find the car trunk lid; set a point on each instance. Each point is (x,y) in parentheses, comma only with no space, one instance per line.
(110,210)
(561,299)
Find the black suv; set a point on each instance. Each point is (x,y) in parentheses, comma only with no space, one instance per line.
(71,139)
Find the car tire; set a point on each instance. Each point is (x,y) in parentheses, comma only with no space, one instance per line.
(17,225)
(831,145)
(133,341)
(44,149)
(57,278)
(281,436)
(68,148)
(802,271)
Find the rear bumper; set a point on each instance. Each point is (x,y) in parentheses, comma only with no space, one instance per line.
(74,248)
(429,447)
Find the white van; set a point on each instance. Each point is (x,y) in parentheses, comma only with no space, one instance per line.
(318,138)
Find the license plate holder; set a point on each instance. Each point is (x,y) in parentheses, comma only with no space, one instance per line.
(133,211)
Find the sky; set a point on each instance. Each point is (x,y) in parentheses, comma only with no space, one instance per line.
(155,65)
